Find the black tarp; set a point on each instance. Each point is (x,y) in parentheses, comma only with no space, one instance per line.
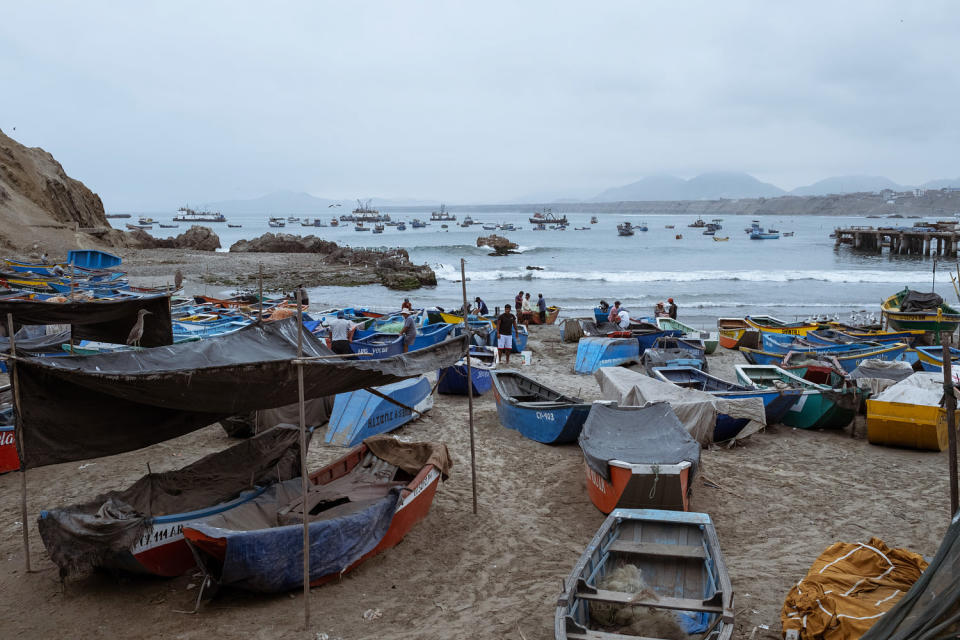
(651,434)
(80,407)
(98,320)
(931,609)
(917,301)
(40,344)
(80,537)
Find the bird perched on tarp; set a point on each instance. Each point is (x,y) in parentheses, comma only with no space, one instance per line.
(137,332)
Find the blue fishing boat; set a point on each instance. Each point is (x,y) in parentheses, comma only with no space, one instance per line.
(760,234)
(361,414)
(601,314)
(835,336)
(647,334)
(537,412)
(92,259)
(593,353)
(453,380)
(931,358)
(430,335)
(378,345)
(776,402)
(782,343)
(848,360)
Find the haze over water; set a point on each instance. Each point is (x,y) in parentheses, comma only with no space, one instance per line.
(791,278)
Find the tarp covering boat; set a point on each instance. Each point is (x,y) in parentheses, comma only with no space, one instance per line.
(80,407)
(849,586)
(651,435)
(697,410)
(876,375)
(100,320)
(933,602)
(84,536)
(918,301)
(36,344)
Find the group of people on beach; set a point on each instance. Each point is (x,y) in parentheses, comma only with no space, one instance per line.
(619,315)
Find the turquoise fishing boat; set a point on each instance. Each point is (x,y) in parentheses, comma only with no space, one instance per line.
(819,407)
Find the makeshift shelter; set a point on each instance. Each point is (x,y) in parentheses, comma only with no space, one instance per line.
(849,586)
(930,610)
(80,407)
(97,320)
(697,410)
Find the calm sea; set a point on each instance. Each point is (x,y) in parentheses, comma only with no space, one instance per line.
(790,278)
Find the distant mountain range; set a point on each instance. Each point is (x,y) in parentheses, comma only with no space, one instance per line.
(301,203)
(725,184)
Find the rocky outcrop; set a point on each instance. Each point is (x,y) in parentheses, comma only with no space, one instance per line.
(501,246)
(44,209)
(390,267)
(196,237)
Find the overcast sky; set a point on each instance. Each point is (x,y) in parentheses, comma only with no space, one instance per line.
(157,104)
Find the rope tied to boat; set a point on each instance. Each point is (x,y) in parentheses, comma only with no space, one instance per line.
(656,478)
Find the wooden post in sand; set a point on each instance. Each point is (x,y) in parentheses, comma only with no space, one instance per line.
(466,328)
(15,380)
(950,405)
(260,312)
(303,469)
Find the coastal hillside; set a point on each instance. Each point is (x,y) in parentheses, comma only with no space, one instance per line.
(42,208)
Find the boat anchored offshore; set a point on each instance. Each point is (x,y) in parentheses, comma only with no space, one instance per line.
(186,214)
(547,217)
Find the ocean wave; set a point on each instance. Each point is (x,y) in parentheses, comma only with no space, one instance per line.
(447,272)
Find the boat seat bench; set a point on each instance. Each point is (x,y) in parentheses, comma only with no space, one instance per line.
(654,549)
(586,592)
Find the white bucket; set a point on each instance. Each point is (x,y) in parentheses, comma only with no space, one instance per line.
(527,357)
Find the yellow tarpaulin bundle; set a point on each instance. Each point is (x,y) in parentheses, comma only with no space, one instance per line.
(848,588)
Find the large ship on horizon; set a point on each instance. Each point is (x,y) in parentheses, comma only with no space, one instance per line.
(443,215)
(186,214)
(365,213)
(546,217)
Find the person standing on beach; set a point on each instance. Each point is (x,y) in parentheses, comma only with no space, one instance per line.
(409,331)
(542,307)
(671,308)
(527,312)
(406,305)
(341,332)
(614,315)
(506,324)
(517,302)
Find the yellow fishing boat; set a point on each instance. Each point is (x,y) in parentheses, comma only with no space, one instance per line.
(913,311)
(773,325)
(907,425)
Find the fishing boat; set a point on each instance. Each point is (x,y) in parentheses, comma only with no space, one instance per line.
(234,226)
(539,227)
(593,220)
(709,338)
(912,310)
(551,316)
(732,333)
(489,227)
(334,222)
(642,227)
(169,226)
(92,259)
(9,459)
(638,457)
(536,411)
(593,353)
(186,214)
(453,380)
(848,360)
(547,217)
(625,229)
(359,227)
(720,239)
(357,415)
(360,505)
(710,232)
(837,336)
(118,215)
(417,223)
(669,226)
(788,234)
(443,215)
(276,222)
(378,228)
(931,358)
(819,407)
(908,414)
(671,357)
(773,325)
(378,345)
(764,235)
(467,221)
(401,226)
(783,343)
(698,223)
(429,335)
(776,402)
(669,560)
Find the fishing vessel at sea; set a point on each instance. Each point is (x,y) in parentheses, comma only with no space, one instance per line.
(186,214)
(443,215)
(547,217)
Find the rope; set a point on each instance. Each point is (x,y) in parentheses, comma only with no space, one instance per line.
(656,479)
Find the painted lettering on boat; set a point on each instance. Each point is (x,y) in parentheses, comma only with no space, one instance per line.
(159,535)
(597,480)
(427,481)
(389,415)
(545,415)
(6,437)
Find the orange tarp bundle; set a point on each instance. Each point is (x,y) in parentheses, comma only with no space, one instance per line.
(848,588)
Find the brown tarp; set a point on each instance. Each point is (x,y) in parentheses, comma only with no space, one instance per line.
(411,456)
(98,320)
(849,587)
(83,536)
(80,407)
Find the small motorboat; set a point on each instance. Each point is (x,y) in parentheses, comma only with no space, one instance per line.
(595,352)
(536,411)
(357,415)
(378,345)
(820,406)
(453,380)
(664,560)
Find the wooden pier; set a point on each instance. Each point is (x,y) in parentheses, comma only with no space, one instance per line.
(942,239)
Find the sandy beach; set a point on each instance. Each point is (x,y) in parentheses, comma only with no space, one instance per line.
(784,496)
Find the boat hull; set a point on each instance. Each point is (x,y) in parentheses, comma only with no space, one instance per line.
(9,460)
(360,414)
(899,424)
(378,346)
(710,338)
(848,362)
(640,486)
(453,380)
(593,353)
(542,421)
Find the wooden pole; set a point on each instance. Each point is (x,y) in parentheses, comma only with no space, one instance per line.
(303,472)
(950,405)
(466,327)
(260,312)
(15,379)
(72,275)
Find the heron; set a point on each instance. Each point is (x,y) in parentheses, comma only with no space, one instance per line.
(137,332)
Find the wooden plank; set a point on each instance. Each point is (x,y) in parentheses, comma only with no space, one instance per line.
(635,599)
(655,549)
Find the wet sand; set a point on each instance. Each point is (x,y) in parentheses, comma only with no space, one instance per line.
(784,496)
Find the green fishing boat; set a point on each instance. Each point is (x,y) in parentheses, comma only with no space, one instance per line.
(820,406)
(912,310)
(710,338)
